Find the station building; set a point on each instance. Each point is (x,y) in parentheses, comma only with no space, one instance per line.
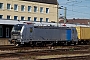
(25,10)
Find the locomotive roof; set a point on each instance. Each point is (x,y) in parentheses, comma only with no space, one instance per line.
(50,27)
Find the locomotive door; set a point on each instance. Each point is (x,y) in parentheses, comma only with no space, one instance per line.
(7,32)
(68,34)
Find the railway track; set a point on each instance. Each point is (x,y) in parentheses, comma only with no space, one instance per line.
(11,47)
(32,52)
(87,57)
(44,54)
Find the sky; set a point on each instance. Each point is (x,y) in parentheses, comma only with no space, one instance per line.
(75,9)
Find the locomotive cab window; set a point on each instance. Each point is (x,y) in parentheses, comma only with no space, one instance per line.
(17,27)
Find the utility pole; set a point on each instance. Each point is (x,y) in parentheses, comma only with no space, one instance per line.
(65,14)
(57,15)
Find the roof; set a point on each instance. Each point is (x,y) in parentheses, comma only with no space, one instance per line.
(13,22)
(44,1)
(76,21)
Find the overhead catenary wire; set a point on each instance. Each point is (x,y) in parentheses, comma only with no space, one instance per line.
(75,3)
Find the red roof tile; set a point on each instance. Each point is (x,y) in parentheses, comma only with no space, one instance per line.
(76,21)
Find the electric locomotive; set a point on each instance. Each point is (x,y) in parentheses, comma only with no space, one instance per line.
(28,34)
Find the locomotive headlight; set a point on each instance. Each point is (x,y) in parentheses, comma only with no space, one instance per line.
(21,36)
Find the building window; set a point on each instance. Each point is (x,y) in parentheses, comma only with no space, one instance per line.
(29,18)
(8,6)
(41,19)
(1,5)
(1,31)
(15,17)
(22,17)
(41,9)
(35,9)
(22,8)
(35,18)
(29,8)
(15,7)
(1,16)
(47,19)
(8,16)
(47,10)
